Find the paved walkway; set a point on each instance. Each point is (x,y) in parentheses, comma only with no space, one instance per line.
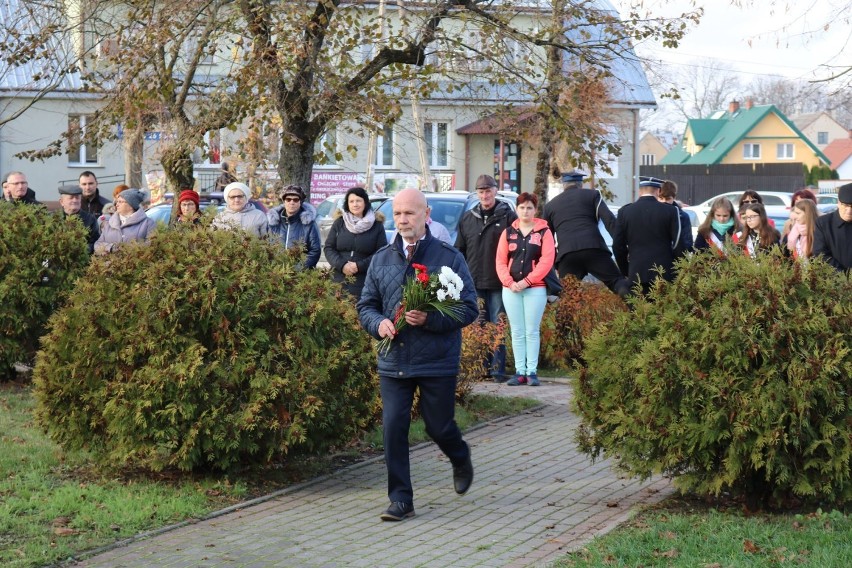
(534,497)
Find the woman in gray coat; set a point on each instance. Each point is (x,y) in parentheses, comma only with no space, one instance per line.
(129,222)
(239,213)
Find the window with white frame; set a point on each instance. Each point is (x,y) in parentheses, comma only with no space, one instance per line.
(325,149)
(649,159)
(822,138)
(751,151)
(436,135)
(80,151)
(785,152)
(384,147)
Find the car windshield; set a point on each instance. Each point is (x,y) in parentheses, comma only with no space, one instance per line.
(326,208)
(445,211)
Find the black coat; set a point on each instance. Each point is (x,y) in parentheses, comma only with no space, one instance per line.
(29,198)
(96,205)
(342,246)
(477,240)
(833,241)
(91,224)
(573,217)
(647,236)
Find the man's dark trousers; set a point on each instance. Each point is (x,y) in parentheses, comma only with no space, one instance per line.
(598,263)
(437,407)
(493,300)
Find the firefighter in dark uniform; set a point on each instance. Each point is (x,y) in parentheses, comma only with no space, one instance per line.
(573,217)
(647,236)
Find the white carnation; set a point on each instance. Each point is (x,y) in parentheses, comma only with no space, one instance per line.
(442,295)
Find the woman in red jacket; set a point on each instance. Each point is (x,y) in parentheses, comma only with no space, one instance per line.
(525,255)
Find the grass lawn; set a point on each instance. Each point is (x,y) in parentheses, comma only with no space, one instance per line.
(55,504)
(685,533)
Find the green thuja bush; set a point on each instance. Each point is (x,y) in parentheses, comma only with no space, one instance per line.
(734,378)
(204,349)
(41,255)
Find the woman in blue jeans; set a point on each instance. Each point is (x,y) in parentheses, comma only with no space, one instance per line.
(525,256)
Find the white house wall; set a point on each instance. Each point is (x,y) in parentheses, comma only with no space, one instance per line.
(40,125)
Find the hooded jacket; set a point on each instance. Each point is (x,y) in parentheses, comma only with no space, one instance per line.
(137,228)
(477,240)
(528,258)
(430,350)
(301,228)
(249,218)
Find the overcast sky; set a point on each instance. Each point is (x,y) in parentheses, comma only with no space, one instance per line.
(782,43)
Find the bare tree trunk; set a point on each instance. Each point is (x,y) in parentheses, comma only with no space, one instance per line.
(546,123)
(177,165)
(133,143)
(296,162)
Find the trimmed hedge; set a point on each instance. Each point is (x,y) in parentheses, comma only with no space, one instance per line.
(204,349)
(735,377)
(41,256)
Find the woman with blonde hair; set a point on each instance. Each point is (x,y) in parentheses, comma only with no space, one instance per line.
(799,240)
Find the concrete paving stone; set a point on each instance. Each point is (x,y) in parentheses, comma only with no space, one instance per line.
(534,497)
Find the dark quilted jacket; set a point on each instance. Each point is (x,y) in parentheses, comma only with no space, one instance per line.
(431,350)
(477,241)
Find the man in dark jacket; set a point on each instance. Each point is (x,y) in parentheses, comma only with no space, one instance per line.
(478,235)
(17,190)
(424,355)
(647,236)
(833,232)
(573,216)
(92,201)
(70,197)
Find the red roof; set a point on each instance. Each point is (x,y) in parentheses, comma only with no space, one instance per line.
(838,151)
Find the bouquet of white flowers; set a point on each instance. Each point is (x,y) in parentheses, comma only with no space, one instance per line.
(428,293)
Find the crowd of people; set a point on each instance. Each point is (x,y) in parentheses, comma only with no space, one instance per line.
(503,257)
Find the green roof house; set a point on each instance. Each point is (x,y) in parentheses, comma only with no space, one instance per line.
(747,135)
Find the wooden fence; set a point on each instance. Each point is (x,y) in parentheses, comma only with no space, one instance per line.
(697,183)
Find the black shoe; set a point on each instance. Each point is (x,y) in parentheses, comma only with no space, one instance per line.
(463,475)
(500,378)
(398,511)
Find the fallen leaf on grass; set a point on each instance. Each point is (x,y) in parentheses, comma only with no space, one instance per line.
(798,526)
(714,565)
(64,531)
(114,528)
(668,535)
(750,547)
(60,522)
(671,553)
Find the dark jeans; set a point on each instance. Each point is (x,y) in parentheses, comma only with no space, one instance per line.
(438,409)
(493,299)
(598,263)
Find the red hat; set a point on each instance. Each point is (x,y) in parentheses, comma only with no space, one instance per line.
(189,195)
